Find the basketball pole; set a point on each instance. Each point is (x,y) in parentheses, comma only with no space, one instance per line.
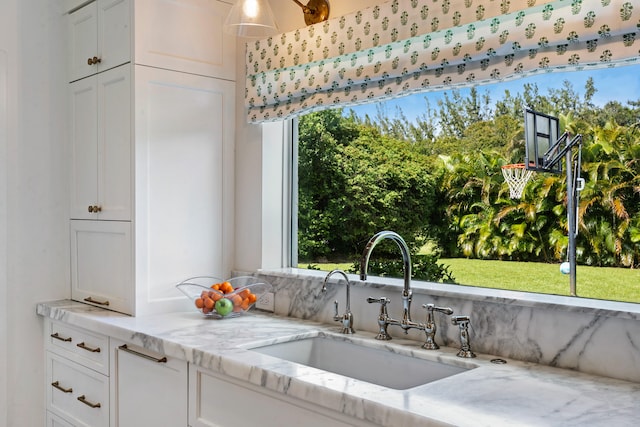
(575,184)
(571,217)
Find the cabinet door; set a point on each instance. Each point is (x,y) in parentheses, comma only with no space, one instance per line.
(148,389)
(185,36)
(114,33)
(83,96)
(183,164)
(83,41)
(114,151)
(99,37)
(101,148)
(102,264)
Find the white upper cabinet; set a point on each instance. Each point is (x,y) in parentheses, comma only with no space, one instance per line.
(201,48)
(99,37)
(175,35)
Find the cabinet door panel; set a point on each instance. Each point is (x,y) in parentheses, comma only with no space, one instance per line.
(201,48)
(114,144)
(114,33)
(83,40)
(215,401)
(84,150)
(148,391)
(182,125)
(102,263)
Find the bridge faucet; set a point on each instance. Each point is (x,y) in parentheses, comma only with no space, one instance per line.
(406,322)
(347,317)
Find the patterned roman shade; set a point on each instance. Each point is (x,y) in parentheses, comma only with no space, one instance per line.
(406,46)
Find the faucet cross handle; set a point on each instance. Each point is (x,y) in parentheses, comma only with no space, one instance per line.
(463,323)
(430,325)
(383,317)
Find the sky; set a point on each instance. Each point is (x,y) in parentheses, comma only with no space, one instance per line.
(618,83)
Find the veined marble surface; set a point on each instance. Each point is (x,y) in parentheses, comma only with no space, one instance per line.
(513,394)
(590,336)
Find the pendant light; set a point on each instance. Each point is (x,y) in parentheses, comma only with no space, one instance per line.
(254,18)
(251,19)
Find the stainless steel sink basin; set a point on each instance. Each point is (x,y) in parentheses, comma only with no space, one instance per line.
(380,366)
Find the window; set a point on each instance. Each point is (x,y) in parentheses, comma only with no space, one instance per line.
(428,167)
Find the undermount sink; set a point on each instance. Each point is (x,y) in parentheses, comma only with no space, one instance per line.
(380,366)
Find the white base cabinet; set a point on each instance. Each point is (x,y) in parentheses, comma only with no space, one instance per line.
(147,388)
(100,381)
(77,376)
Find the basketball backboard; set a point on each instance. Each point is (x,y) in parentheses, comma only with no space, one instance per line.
(542,142)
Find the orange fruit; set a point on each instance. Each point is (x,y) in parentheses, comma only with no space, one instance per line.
(199,302)
(226,287)
(208,303)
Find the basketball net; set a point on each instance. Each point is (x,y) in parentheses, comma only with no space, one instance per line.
(517,177)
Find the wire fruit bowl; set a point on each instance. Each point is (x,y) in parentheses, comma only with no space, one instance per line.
(221,299)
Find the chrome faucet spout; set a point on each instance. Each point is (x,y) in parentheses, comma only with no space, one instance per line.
(406,259)
(347,317)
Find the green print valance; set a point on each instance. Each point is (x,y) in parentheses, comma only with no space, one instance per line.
(405,46)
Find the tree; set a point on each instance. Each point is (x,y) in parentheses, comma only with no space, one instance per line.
(353,187)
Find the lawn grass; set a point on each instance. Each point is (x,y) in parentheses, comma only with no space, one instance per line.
(616,284)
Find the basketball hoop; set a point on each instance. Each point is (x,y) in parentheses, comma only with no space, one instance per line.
(517,177)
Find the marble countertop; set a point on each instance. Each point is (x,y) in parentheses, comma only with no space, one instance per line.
(513,394)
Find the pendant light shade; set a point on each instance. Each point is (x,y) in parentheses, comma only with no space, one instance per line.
(251,19)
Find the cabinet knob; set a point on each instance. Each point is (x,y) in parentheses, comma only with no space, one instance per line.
(93,61)
(94,209)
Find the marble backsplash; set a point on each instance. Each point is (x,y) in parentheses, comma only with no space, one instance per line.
(590,336)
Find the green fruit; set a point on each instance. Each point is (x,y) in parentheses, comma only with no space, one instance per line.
(224,306)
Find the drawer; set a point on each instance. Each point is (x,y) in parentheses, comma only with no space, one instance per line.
(77,344)
(75,393)
(54,420)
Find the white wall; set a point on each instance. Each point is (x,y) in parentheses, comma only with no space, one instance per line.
(5,41)
(256,199)
(34,248)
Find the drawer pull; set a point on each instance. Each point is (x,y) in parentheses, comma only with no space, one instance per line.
(58,337)
(83,346)
(91,300)
(57,385)
(86,402)
(124,347)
